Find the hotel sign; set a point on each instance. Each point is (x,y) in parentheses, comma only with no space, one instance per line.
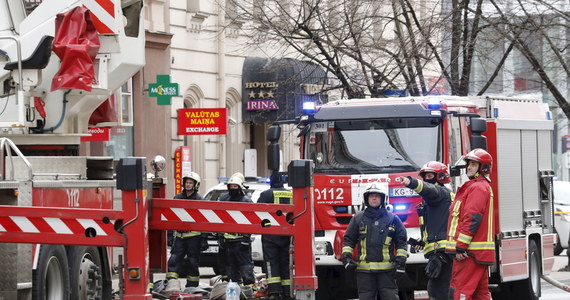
(261,96)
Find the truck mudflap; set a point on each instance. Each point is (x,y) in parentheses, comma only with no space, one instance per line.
(76,44)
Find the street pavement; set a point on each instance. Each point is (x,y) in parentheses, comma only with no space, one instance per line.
(549,292)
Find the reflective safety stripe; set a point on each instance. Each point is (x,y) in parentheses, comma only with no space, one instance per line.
(185,234)
(286,282)
(193,278)
(271,280)
(232,236)
(464,238)
(362,256)
(386,249)
(481,246)
(402,252)
(453,226)
(441,244)
(173,275)
(490,216)
(420,186)
(277,195)
(347,249)
(375,265)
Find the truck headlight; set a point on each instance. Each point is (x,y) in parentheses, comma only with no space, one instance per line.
(323,248)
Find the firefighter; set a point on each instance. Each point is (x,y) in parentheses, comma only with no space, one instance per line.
(434,212)
(238,245)
(381,239)
(470,233)
(276,247)
(186,244)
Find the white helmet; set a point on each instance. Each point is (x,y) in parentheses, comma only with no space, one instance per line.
(237,178)
(376,188)
(194,176)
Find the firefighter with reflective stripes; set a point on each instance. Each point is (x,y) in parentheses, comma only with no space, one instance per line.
(382,248)
(186,244)
(276,247)
(434,212)
(238,245)
(470,233)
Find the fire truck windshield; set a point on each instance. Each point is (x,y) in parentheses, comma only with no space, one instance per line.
(373,146)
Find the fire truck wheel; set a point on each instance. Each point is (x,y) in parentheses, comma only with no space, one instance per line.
(86,273)
(51,277)
(558,248)
(529,289)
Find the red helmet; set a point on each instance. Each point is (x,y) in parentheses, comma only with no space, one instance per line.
(440,170)
(483,158)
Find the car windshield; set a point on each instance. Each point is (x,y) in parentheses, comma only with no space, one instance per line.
(562,192)
(373,146)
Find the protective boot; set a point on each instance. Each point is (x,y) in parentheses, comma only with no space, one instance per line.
(172,286)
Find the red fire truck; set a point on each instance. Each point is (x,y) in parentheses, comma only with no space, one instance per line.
(356,142)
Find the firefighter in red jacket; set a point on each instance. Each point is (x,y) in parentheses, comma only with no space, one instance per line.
(470,233)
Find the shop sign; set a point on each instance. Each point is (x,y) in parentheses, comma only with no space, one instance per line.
(97,134)
(202,121)
(163,90)
(261,95)
(182,165)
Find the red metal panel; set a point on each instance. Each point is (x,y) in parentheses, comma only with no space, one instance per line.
(73,197)
(68,226)
(173,214)
(303,240)
(513,258)
(548,241)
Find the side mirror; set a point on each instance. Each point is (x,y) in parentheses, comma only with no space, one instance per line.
(455,171)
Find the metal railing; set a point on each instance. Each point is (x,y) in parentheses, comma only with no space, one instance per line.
(4,144)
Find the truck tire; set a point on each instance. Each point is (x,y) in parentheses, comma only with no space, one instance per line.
(85,271)
(558,248)
(529,289)
(50,280)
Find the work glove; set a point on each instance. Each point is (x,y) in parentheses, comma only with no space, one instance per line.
(400,268)
(348,262)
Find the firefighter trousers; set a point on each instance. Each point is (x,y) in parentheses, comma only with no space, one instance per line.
(371,285)
(188,247)
(469,280)
(438,288)
(240,263)
(276,259)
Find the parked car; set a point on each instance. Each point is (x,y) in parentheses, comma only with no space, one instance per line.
(562,214)
(255,185)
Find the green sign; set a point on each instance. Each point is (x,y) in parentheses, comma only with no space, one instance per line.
(163,90)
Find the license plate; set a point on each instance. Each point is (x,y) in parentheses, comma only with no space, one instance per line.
(211,249)
(402,192)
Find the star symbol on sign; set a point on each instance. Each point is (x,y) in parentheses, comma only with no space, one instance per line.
(251,95)
(261,93)
(270,94)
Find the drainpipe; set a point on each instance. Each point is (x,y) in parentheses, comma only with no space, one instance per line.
(222,81)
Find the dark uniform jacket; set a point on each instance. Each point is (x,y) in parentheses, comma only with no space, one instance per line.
(194,196)
(236,237)
(381,239)
(433,214)
(276,196)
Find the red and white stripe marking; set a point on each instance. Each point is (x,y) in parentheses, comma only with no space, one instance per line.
(219,216)
(49,225)
(103,13)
